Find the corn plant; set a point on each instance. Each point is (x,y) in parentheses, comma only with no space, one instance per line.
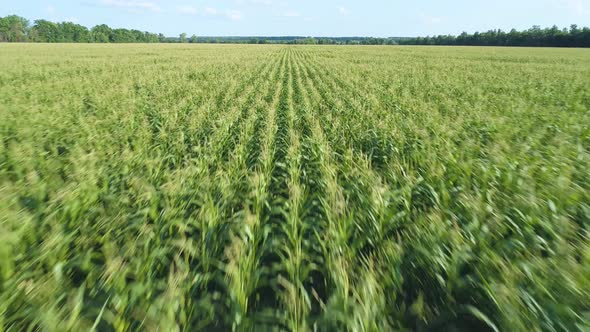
(296,188)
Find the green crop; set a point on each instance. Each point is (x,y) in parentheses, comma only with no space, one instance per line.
(297,188)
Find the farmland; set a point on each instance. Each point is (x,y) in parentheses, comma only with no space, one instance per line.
(201,187)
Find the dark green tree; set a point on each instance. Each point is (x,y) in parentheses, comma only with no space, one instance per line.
(69,32)
(14,29)
(45,31)
(101,33)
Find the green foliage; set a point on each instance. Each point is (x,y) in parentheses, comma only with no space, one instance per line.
(247,188)
(13,29)
(548,37)
(16,29)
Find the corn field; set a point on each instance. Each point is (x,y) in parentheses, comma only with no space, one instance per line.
(294,188)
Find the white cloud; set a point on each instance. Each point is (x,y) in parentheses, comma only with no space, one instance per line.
(291,13)
(50,9)
(234,15)
(256,2)
(343,11)
(207,11)
(578,7)
(187,10)
(435,20)
(262,2)
(72,19)
(430,20)
(132,5)
(210,11)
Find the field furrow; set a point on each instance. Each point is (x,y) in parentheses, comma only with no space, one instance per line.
(313,213)
(267,306)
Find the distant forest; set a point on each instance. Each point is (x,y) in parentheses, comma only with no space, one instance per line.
(535,36)
(18,29)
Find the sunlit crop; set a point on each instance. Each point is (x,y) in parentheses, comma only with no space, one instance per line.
(298,188)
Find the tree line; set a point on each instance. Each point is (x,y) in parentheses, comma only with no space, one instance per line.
(18,29)
(299,40)
(535,36)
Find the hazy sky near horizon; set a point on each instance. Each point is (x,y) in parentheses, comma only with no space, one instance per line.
(379,18)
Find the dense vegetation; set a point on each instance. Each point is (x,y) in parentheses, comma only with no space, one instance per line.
(17,29)
(303,188)
(551,37)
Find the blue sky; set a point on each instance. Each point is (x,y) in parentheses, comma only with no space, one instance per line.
(379,18)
